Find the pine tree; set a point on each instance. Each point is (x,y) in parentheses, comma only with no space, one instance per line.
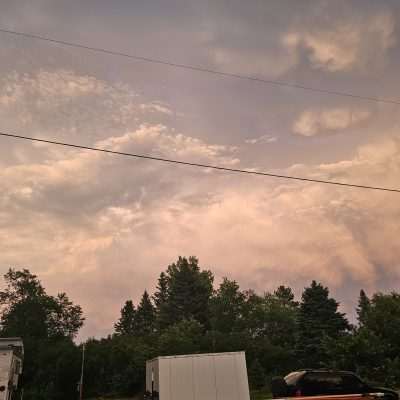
(126,322)
(189,291)
(160,298)
(161,295)
(364,305)
(319,319)
(145,316)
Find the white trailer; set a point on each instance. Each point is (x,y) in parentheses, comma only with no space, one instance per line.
(11,359)
(216,376)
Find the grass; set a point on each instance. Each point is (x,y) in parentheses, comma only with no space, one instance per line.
(260,395)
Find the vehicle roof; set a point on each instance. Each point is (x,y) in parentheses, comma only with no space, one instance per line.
(336,371)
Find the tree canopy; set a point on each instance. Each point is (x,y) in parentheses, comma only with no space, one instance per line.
(186,314)
(47,325)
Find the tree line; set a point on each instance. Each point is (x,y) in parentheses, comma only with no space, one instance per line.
(188,314)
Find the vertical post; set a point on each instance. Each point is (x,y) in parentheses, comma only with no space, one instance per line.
(82,369)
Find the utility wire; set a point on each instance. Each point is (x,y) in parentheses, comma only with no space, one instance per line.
(199,69)
(193,164)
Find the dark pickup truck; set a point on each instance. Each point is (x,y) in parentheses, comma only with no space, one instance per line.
(327,383)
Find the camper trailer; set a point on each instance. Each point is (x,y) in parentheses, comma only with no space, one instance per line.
(216,376)
(11,359)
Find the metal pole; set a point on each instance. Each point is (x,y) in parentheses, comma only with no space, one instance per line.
(82,369)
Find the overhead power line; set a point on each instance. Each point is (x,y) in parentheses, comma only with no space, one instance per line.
(199,68)
(194,164)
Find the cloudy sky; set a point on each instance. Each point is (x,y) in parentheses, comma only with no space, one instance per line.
(102,227)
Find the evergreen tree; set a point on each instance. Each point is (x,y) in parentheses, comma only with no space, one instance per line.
(145,316)
(161,294)
(319,319)
(161,302)
(126,322)
(364,305)
(189,292)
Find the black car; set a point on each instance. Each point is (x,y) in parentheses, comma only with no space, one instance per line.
(325,382)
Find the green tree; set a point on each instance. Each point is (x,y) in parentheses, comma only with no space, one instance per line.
(161,294)
(272,323)
(126,323)
(160,298)
(319,319)
(281,317)
(47,325)
(285,296)
(28,311)
(373,348)
(226,307)
(51,369)
(115,365)
(145,316)
(189,292)
(383,320)
(280,326)
(256,375)
(363,307)
(184,337)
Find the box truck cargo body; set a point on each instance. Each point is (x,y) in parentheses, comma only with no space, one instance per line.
(216,376)
(11,358)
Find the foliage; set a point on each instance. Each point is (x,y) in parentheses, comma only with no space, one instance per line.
(184,337)
(364,304)
(186,315)
(145,316)
(28,311)
(189,292)
(126,323)
(256,375)
(160,298)
(47,325)
(319,320)
(227,308)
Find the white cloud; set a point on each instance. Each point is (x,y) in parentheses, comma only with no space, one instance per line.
(304,231)
(48,85)
(64,103)
(156,140)
(317,122)
(102,227)
(156,107)
(264,139)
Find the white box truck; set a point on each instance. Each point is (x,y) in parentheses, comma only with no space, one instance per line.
(11,359)
(215,376)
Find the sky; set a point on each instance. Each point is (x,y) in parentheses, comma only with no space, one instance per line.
(102,227)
